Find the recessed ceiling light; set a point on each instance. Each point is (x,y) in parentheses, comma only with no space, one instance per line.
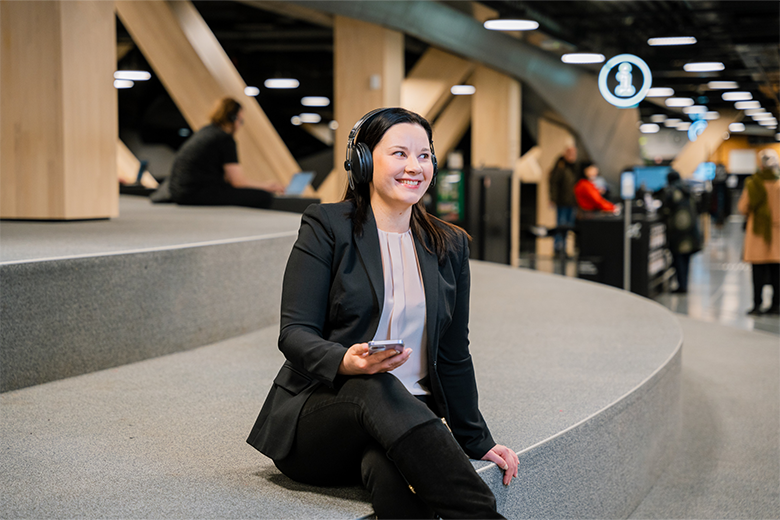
(308,117)
(762,116)
(695,109)
(123,83)
(252,91)
(743,105)
(132,75)
(704,66)
(736,127)
(582,57)
(737,96)
(315,101)
(463,90)
(281,83)
(649,128)
(658,118)
(511,25)
(672,122)
(711,115)
(333,125)
(674,40)
(768,122)
(722,85)
(683,127)
(296,120)
(660,92)
(755,111)
(679,102)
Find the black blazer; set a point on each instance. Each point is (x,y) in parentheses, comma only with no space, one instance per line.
(332,298)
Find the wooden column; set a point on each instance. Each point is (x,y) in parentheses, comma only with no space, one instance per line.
(368,70)
(495,136)
(59,110)
(495,120)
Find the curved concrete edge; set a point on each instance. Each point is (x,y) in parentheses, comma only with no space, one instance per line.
(604,466)
(63,318)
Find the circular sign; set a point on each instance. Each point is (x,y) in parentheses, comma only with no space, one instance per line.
(625,62)
(696,129)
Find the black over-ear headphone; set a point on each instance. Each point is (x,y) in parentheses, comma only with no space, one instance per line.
(360,163)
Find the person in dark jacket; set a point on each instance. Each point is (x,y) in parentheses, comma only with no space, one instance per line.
(377,267)
(563,178)
(682,227)
(206,171)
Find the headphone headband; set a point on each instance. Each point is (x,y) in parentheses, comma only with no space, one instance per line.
(355,129)
(359,164)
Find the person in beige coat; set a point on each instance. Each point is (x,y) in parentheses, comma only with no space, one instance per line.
(760,201)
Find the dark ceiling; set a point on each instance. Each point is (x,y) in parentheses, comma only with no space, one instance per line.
(743,35)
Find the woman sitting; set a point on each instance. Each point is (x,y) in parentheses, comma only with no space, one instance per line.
(206,171)
(377,267)
(587,193)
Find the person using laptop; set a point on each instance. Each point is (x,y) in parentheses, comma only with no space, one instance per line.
(206,171)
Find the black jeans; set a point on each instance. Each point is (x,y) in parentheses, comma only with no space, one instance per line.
(343,436)
(227,196)
(682,262)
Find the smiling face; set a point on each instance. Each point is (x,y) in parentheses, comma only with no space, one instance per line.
(402,169)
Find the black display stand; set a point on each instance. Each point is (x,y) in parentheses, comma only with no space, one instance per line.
(488,219)
(600,240)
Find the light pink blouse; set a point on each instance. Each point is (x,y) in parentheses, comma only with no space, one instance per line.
(403,313)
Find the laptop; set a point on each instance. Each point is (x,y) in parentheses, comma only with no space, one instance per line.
(297,184)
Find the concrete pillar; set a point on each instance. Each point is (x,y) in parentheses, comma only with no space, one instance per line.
(59,125)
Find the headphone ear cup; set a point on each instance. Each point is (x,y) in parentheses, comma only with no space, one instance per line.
(435,169)
(362,164)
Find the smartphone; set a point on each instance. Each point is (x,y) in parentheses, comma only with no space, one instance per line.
(379,346)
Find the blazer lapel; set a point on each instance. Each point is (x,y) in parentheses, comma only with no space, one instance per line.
(429,266)
(371,255)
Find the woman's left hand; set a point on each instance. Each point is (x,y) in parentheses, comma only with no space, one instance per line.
(505,459)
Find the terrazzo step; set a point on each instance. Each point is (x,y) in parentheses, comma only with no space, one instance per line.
(582,380)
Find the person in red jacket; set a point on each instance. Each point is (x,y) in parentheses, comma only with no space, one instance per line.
(588,196)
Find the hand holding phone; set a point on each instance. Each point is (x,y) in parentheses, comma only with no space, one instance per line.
(387,344)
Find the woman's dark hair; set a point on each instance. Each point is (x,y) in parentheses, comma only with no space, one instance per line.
(225,112)
(442,235)
(584,167)
(672,176)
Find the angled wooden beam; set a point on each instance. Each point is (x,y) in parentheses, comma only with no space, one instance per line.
(427,87)
(196,72)
(293,11)
(128,165)
(451,126)
(700,150)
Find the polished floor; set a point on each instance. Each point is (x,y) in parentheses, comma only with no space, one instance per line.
(719,287)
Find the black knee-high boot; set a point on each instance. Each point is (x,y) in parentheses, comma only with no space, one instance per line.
(441,474)
(390,493)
